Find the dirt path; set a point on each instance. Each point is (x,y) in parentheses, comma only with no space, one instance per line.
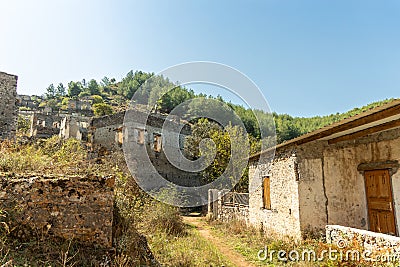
(236,258)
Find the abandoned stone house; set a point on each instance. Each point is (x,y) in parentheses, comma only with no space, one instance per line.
(28,102)
(145,132)
(74,127)
(8,108)
(46,125)
(343,174)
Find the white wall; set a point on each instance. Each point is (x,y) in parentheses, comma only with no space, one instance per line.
(283,218)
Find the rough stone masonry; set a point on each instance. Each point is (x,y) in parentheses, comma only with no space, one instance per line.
(68,207)
(8,107)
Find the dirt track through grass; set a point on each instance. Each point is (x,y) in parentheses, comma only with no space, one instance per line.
(226,250)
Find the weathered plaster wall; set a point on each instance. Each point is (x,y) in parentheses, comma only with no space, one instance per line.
(8,108)
(332,190)
(312,196)
(346,188)
(329,190)
(283,218)
(68,207)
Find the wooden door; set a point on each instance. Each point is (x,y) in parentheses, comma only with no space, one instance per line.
(380,202)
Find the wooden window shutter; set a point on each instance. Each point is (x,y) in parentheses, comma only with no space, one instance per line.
(267,193)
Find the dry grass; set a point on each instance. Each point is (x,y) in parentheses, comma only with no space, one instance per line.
(145,231)
(188,250)
(43,156)
(249,241)
(56,156)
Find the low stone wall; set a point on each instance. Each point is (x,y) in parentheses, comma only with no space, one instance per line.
(233,213)
(219,210)
(79,208)
(371,241)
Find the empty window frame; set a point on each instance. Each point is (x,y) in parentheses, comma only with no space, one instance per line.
(140,136)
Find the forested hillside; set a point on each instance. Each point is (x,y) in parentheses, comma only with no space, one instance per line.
(109,95)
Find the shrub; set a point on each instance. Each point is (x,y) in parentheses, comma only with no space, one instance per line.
(97,99)
(165,217)
(101,109)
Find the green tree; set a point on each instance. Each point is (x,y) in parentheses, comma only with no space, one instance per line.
(74,89)
(132,82)
(60,91)
(226,154)
(93,87)
(50,92)
(174,98)
(102,109)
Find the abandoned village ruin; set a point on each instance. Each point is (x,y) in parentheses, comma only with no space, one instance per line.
(340,181)
(79,207)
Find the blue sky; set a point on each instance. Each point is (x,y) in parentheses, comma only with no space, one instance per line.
(308,57)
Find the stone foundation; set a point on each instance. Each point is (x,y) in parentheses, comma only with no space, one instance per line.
(79,208)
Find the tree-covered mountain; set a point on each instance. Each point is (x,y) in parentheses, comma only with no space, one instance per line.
(109,95)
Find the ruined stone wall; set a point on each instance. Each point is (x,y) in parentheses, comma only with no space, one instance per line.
(104,128)
(8,108)
(174,173)
(347,237)
(283,217)
(234,213)
(219,209)
(107,131)
(74,127)
(67,207)
(45,125)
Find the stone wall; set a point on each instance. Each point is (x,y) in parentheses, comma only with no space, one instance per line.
(218,209)
(8,108)
(103,129)
(283,217)
(110,132)
(45,125)
(234,213)
(347,237)
(66,207)
(74,127)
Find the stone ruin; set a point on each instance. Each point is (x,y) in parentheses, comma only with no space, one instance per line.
(8,107)
(67,207)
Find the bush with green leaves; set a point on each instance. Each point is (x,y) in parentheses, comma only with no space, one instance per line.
(102,109)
